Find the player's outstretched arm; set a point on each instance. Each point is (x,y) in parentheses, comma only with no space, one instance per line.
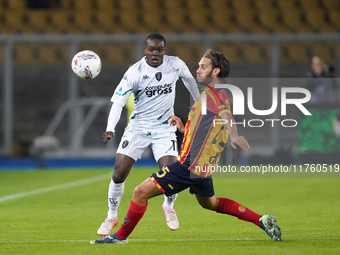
(114,116)
(176,121)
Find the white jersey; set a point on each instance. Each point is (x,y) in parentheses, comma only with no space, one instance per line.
(154,91)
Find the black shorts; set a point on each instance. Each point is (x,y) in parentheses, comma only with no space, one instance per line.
(175,178)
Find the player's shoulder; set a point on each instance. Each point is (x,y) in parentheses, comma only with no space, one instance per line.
(173,59)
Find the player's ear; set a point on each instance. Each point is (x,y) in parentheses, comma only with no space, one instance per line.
(216,71)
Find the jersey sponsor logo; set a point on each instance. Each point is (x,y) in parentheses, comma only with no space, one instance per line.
(158,76)
(158,90)
(125,144)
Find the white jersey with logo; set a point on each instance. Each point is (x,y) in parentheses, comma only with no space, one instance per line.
(154,91)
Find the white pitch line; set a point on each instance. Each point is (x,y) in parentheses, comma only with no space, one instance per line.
(170,240)
(55,187)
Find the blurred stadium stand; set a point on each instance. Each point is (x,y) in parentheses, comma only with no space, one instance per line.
(34,60)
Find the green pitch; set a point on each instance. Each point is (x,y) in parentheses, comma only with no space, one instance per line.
(59,212)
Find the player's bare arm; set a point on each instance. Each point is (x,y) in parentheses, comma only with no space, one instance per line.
(176,121)
(107,136)
(234,137)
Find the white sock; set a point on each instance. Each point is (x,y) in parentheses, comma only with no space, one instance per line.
(169,201)
(116,191)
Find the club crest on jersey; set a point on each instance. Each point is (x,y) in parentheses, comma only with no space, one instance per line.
(158,76)
(125,144)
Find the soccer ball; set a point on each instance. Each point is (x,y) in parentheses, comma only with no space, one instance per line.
(86,64)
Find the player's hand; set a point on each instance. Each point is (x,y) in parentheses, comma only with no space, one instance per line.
(176,121)
(107,136)
(240,141)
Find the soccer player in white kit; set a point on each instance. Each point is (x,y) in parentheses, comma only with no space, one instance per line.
(152,80)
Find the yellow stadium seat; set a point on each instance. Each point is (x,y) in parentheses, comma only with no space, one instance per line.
(105,5)
(197,6)
(83,5)
(128,5)
(154,21)
(334,17)
(246,20)
(37,19)
(287,5)
(47,53)
(64,22)
(309,4)
(241,5)
(321,49)
(331,4)
(189,52)
(84,21)
(253,53)
(171,5)
(176,20)
(230,49)
(219,5)
(150,7)
(24,53)
(13,20)
(293,20)
(60,19)
(201,22)
(297,52)
(16,4)
(133,22)
(317,19)
(121,53)
(222,20)
(270,21)
(264,5)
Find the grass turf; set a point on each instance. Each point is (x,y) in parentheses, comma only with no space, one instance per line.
(65,213)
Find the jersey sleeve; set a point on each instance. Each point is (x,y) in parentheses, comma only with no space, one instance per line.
(188,80)
(124,88)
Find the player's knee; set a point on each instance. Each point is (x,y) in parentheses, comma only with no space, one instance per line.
(118,179)
(139,194)
(118,175)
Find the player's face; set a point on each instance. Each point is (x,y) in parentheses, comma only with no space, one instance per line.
(154,52)
(204,72)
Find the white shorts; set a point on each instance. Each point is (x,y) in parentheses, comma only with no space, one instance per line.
(135,141)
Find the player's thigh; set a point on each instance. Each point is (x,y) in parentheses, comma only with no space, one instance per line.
(166,160)
(172,179)
(165,145)
(133,143)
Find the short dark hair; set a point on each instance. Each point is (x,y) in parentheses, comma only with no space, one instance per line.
(219,60)
(154,36)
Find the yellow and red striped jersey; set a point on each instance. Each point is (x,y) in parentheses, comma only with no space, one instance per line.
(204,140)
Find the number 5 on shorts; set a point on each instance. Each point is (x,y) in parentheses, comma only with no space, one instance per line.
(165,171)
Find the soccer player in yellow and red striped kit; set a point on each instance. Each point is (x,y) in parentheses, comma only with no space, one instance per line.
(204,140)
